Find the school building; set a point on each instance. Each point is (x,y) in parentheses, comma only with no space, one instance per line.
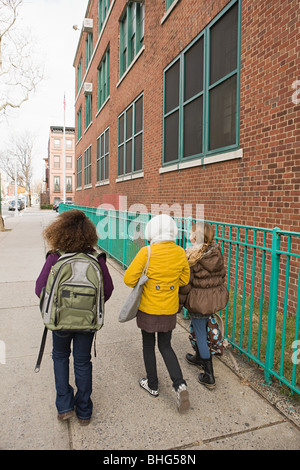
(191,102)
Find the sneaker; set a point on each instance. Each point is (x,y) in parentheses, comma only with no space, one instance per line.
(145,386)
(183,402)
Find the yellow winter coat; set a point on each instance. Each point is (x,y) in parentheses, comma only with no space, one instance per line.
(168,270)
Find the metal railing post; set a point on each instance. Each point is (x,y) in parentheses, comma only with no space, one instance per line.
(125,221)
(275,258)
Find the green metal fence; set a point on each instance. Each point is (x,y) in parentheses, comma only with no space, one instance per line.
(262,317)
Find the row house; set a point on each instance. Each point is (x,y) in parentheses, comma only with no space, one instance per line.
(61,160)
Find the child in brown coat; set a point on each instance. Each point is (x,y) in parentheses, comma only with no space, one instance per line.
(205,294)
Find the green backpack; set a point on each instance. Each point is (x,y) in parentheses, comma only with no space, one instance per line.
(73,298)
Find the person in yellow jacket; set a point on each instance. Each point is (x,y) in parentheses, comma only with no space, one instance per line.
(168,270)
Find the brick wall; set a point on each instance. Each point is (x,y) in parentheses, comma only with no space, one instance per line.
(262,188)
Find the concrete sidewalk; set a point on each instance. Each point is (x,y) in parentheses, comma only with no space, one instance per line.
(233,416)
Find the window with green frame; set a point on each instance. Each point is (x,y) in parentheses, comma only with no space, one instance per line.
(88,110)
(79,172)
(79,124)
(131,34)
(88,48)
(87,166)
(169,3)
(130,138)
(201,90)
(103,79)
(103,156)
(103,7)
(79,74)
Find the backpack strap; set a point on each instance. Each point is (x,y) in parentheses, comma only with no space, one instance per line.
(101,255)
(41,352)
(51,252)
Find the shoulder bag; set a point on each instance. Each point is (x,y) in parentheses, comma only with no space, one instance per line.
(130,308)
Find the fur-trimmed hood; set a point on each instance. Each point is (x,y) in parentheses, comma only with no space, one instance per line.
(210,256)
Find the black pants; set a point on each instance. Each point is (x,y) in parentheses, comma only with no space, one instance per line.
(169,357)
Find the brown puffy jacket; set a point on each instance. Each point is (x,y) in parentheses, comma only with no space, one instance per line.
(206,292)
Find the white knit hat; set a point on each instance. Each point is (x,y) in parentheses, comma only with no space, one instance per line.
(161,228)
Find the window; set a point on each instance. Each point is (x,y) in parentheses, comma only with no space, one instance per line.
(88,48)
(223,80)
(103,7)
(56,161)
(57,143)
(88,110)
(103,79)
(131,34)
(69,184)
(79,124)
(56,183)
(200,92)
(130,147)
(69,144)
(79,172)
(79,75)
(103,156)
(88,166)
(69,162)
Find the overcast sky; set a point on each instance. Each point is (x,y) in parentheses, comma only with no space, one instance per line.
(51,23)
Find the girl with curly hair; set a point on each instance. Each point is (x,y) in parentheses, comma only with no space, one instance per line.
(72,232)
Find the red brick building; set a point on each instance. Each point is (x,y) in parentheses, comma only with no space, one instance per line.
(191,101)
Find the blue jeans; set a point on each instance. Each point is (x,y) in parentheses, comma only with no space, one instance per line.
(65,399)
(200,328)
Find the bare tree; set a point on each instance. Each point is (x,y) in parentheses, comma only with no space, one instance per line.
(23,153)
(2,228)
(19,71)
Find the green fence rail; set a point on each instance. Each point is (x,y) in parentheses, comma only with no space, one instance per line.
(262,317)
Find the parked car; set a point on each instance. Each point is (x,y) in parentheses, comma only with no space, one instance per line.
(20,205)
(56,204)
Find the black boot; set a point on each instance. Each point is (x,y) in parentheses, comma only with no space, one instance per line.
(207,378)
(195,359)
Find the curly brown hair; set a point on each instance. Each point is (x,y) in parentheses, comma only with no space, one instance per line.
(71,232)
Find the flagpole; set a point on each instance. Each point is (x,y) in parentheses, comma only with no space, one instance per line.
(64,158)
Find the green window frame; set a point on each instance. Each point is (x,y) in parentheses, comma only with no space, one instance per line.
(103,79)
(79,124)
(88,109)
(87,166)
(103,7)
(131,34)
(130,138)
(103,156)
(79,172)
(201,92)
(169,3)
(88,48)
(79,74)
